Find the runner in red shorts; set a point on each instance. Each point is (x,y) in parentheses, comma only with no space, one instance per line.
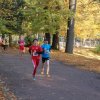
(35,50)
(21,43)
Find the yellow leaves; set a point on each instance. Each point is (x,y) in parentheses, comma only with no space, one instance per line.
(87,19)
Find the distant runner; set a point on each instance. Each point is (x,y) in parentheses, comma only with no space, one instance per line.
(21,43)
(46,57)
(4,44)
(35,50)
(0,41)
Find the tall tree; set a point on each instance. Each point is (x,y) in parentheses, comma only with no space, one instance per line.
(11,18)
(55,41)
(48,37)
(45,16)
(87,25)
(70,29)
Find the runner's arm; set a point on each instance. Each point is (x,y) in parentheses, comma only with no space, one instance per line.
(40,51)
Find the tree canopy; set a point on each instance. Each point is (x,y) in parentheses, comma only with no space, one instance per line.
(45,15)
(41,16)
(87,19)
(10,20)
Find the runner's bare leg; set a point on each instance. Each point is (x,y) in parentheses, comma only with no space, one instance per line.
(48,68)
(42,71)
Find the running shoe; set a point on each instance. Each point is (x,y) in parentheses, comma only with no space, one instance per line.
(34,78)
(48,75)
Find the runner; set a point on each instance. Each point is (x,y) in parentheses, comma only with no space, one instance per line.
(46,56)
(21,45)
(4,44)
(0,41)
(35,50)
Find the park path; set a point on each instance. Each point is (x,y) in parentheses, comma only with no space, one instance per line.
(66,83)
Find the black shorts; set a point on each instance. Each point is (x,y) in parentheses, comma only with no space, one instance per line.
(45,59)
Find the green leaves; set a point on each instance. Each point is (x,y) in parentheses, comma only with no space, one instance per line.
(45,15)
(11,16)
(39,16)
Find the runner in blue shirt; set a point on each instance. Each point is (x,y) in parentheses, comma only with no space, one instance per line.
(46,56)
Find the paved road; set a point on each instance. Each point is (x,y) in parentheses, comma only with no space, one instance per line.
(66,83)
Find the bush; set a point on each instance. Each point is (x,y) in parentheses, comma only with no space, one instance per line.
(97,50)
(28,41)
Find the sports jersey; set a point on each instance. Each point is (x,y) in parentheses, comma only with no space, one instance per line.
(46,50)
(35,51)
(21,42)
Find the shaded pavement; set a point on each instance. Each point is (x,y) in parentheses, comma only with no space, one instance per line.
(66,83)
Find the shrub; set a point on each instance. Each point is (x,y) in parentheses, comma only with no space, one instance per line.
(97,50)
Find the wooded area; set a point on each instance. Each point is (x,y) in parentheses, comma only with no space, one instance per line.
(54,17)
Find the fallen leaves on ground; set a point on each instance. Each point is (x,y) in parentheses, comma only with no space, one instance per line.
(79,61)
(5,93)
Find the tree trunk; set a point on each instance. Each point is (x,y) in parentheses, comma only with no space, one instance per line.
(48,37)
(70,30)
(10,40)
(3,36)
(55,41)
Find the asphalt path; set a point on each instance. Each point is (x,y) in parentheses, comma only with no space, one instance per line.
(66,82)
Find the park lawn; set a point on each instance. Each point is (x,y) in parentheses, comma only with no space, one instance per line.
(77,60)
